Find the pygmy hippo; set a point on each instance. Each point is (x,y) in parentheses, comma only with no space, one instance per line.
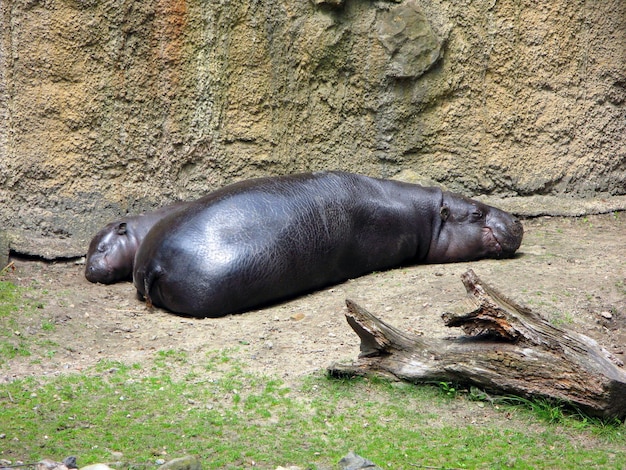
(267,239)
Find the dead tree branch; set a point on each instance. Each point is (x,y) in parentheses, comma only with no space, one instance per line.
(506,349)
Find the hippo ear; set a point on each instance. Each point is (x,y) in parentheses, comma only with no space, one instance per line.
(121,229)
(444,212)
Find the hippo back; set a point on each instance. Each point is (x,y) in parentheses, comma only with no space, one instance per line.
(271,238)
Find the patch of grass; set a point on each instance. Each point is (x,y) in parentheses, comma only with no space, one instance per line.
(448,389)
(170,357)
(10,349)
(586,221)
(235,419)
(546,410)
(12,341)
(47,325)
(561,318)
(22,330)
(9,297)
(556,412)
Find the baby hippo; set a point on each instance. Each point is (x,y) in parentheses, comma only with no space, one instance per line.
(112,250)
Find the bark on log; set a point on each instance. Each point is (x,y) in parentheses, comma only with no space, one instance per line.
(507,349)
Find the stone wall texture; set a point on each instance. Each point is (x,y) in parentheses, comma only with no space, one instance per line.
(116,106)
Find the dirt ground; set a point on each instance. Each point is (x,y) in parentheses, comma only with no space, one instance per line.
(571,270)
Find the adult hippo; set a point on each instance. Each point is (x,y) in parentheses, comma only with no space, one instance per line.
(266,239)
(112,250)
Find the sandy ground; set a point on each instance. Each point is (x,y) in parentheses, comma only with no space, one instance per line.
(571,270)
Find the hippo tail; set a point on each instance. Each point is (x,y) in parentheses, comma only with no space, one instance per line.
(149,279)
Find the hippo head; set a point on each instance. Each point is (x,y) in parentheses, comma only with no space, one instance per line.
(471,230)
(111,254)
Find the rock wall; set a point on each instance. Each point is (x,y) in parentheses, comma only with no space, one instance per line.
(114,106)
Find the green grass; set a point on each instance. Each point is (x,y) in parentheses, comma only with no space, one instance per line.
(236,418)
(560,318)
(12,341)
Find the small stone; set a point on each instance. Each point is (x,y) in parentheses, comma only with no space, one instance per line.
(50,465)
(330,3)
(607,315)
(70,462)
(188,462)
(96,466)
(353,461)
(297,316)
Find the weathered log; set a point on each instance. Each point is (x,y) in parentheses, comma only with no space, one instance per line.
(507,349)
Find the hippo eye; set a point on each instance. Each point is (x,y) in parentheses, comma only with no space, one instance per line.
(477,214)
